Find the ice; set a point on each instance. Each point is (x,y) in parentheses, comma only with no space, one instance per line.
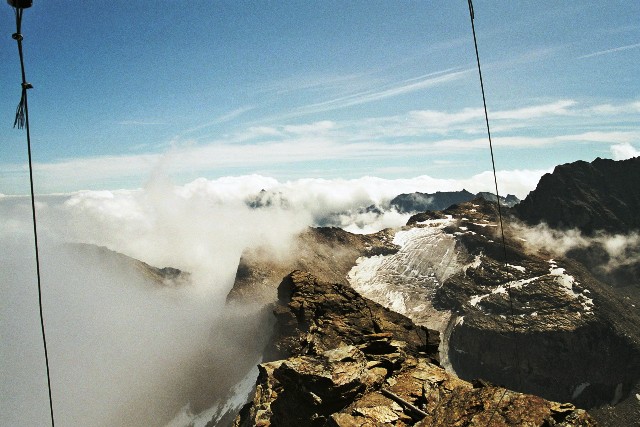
(406,280)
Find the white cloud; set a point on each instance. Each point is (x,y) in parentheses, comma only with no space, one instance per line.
(608,51)
(600,136)
(396,137)
(624,151)
(223,118)
(561,107)
(401,88)
(140,123)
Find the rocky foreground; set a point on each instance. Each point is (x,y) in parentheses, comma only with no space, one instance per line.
(348,361)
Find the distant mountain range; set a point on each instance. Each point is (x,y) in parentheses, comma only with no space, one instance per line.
(440,200)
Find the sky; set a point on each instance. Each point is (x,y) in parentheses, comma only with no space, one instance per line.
(292,90)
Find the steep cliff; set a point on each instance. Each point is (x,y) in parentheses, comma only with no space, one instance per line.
(601,195)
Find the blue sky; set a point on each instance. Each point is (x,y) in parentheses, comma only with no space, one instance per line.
(327,89)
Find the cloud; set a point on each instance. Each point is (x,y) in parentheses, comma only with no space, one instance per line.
(386,140)
(621,249)
(226,117)
(599,136)
(624,151)
(561,107)
(401,88)
(608,51)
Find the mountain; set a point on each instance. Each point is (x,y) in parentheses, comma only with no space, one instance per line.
(329,252)
(534,323)
(601,195)
(420,202)
(601,200)
(347,361)
(165,276)
(560,321)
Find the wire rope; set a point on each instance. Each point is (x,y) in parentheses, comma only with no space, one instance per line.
(495,180)
(22,121)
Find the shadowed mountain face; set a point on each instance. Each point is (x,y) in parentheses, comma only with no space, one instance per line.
(601,195)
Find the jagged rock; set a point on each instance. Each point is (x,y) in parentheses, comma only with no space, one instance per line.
(327,251)
(345,378)
(320,316)
(536,324)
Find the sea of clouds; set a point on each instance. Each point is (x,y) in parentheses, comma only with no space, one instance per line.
(125,351)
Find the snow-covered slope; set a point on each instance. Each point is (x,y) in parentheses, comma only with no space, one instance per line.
(405,281)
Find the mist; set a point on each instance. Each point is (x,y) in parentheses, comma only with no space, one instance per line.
(126,350)
(603,253)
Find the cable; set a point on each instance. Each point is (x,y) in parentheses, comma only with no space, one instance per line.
(504,245)
(22,121)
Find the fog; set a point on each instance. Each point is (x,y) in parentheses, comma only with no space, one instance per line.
(618,250)
(125,350)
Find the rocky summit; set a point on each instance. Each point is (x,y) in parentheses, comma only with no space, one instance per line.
(348,361)
(601,195)
(457,318)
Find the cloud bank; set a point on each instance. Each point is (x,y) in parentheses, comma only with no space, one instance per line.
(382,145)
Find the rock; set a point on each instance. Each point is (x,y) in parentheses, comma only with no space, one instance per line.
(440,200)
(320,316)
(537,325)
(358,374)
(601,195)
(327,251)
(420,202)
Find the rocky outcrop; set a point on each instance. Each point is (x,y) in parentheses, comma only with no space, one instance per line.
(601,195)
(352,362)
(528,321)
(531,322)
(329,252)
(536,324)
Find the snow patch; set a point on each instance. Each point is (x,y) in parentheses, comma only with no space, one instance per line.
(477,261)
(484,224)
(476,299)
(517,267)
(566,281)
